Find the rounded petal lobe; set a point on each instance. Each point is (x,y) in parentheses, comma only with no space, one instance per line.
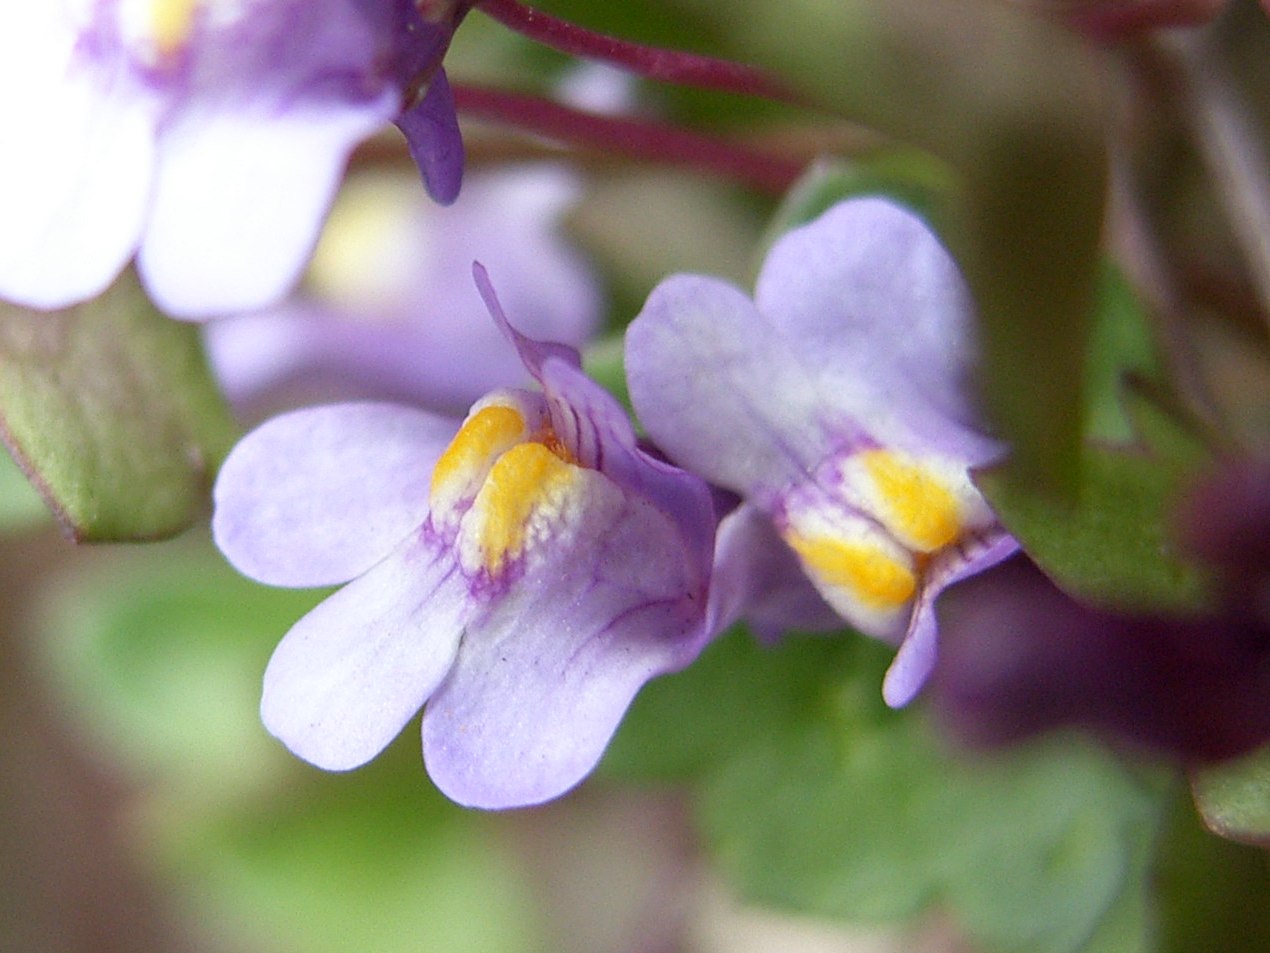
(544,678)
(349,675)
(718,391)
(318,496)
(876,310)
(239,200)
(76,166)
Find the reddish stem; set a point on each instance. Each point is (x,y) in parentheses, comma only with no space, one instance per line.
(640,139)
(668,66)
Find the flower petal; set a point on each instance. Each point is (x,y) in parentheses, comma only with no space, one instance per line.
(916,656)
(318,496)
(77,163)
(394,302)
(240,197)
(719,392)
(532,353)
(593,425)
(757,578)
(543,680)
(877,312)
(349,675)
(431,128)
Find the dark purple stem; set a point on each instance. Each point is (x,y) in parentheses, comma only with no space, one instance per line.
(636,138)
(668,66)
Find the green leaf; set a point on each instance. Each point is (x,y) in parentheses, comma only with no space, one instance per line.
(20,506)
(1212,894)
(1121,348)
(681,726)
(826,801)
(1111,544)
(112,411)
(162,649)
(1234,798)
(158,652)
(374,860)
(604,361)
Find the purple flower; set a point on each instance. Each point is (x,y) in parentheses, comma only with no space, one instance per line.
(836,404)
(389,313)
(205,136)
(524,577)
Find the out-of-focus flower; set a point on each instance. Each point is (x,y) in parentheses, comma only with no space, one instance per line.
(1021,656)
(390,312)
(205,136)
(524,577)
(836,403)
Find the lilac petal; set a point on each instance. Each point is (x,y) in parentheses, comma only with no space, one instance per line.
(240,197)
(391,330)
(251,354)
(349,675)
(916,656)
(431,128)
(76,166)
(318,496)
(758,578)
(719,392)
(877,311)
(532,353)
(595,428)
(542,681)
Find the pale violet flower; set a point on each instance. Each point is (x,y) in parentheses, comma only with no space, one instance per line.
(836,404)
(524,574)
(388,310)
(205,137)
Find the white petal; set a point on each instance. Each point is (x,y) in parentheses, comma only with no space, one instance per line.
(318,496)
(76,164)
(240,198)
(349,675)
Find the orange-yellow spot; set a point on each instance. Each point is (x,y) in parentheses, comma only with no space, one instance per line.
(170,24)
(919,507)
(526,479)
(867,572)
(485,434)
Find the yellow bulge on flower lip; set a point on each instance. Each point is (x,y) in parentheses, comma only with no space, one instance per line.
(490,431)
(868,573)
(527,482)
(916,506)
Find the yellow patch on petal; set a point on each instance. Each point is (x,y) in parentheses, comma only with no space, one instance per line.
(373,245)
(867,572)
(170,24)
(919,507)
(526,485)
(491,430)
